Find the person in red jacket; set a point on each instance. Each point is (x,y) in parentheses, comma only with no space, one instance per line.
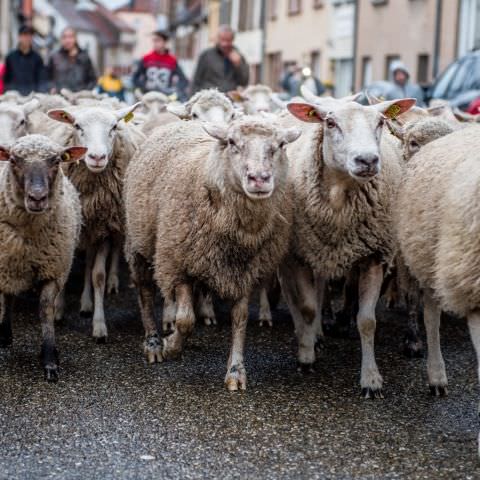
(474,107)
(159,70)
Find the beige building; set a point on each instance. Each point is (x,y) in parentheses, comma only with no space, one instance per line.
(314,33)
(6,17)
(404,30)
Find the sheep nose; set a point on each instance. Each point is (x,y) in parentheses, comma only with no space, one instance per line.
(366,160)
(263,177)
(96,158)
(37,195)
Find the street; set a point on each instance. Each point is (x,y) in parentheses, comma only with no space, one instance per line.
(111,416)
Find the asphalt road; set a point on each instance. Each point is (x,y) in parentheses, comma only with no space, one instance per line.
(111,416)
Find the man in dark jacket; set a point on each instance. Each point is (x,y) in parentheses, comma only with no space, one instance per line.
(71,67)
(24,68)
(222,66)
(159,70)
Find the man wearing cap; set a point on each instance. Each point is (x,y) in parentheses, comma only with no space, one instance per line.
(159,70)
(221,66)
(24,68)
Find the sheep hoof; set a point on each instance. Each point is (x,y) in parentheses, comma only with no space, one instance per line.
(438,391)
(207,321)
(113,287)
(320,345)
(371,393)
(413,348)
(152,348)
(167,327)
(51,373)
(305,368)
(236,378)
(6,337)
(101,340)
(170,349)
(85,314)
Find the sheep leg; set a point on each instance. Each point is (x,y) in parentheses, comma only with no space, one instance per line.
(169,312)
(86,301)
(264,314)
(236,377)
(6,311)
(205,308)
(142,276)
(297,285)
(474,327)
(49,354)
(320,284)
(369,287)
(184,321)
(437,376)
(60,305)
(113,282)
(98,280)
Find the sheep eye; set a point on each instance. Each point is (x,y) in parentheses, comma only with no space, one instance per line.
(194,116)
(414,145)
(381,123)
(331,123)
(22,123)
(77,127)
(232,143)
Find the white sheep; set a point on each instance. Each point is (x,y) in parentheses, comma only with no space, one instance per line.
(110,146)
(345,182)
(218,219)
(40,218)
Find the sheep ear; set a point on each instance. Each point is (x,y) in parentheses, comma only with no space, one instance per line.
(180,110)
(352,98)
(305,112)
(30,106)
(126,114)
(463,116)
(236,96)
(220,132)
(61,116)
(278,101)
(372,99)
(436,111)
(73,154)
(4,153)
(289,135)
(394,108)
(66,93)
(396,130)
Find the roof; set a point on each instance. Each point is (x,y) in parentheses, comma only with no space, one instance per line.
(140,6)
(67,9)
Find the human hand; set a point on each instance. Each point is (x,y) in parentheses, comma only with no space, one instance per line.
(235,58)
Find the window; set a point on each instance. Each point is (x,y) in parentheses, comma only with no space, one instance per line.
(294,7)
(226,12)
(318,3)
(274,69)
(389,59)
(366,71)
(272,10)
(422,69)
(246,13)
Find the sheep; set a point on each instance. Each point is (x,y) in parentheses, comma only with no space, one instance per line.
(14,120)
(111,145)
(40,218)
(219,219)
(344,181)
(207,105)
(438,230)
(255,99)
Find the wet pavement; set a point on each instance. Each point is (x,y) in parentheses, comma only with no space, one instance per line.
(111,416)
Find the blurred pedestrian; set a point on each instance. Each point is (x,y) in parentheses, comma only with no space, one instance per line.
(159,70)
(70,66)
(295,77)
(401,87)
(221,66)
(2,74)
(24,68)
(111,84)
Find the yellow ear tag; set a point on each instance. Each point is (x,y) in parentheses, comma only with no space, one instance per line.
(128,117)
(65,157)
(65,116)
(393,111)
(312,113)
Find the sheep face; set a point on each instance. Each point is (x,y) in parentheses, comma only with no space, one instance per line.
(351,132)
(13,119)
(34,165)
(96,129)
(255,99)
(255,159)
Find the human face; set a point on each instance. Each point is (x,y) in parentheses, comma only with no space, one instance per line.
(25,41)
(159,44)
(225,42)
(68,40)
(400,77)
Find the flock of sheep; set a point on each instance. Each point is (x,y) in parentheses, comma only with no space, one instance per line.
(225,195)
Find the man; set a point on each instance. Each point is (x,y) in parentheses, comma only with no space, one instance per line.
(159,70)
(24,68)
(222,66)
(70,67)
(401,86)
(295,77)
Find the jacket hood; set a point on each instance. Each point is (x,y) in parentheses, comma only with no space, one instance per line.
(398,65)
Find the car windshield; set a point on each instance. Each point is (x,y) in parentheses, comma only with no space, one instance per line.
(459,77)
